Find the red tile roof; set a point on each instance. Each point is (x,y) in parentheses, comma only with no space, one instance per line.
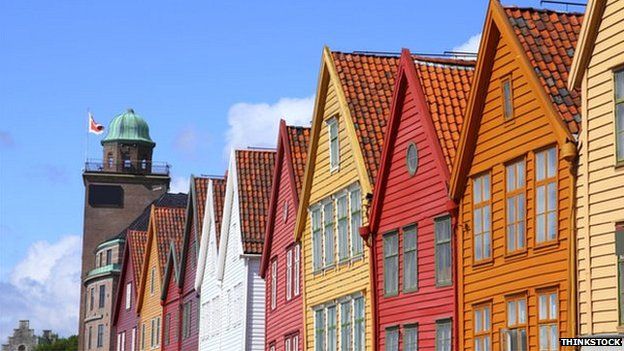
(218,198)
(446,86)
(368,82)
(549,39)
(201,189)
(255,175)
(137,241)
(169,227)
(298,140)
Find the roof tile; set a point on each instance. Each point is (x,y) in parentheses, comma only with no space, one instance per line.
(298,140)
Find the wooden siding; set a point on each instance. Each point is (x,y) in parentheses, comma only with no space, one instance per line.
(255,325)
(287,318)
(127,318)
(413,200)
(150,305)
(188,294)
(499,142)
(600,195)
(172,307)
(348,278)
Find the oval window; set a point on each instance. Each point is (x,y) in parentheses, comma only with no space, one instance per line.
(412,159)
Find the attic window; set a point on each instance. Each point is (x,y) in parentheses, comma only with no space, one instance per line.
(285,213)
(507,98)
(412,158)
(334,147)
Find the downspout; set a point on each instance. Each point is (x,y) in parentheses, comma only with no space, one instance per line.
(368,237)
(570,154)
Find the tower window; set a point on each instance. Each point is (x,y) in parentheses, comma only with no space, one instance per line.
(143,164)
(109,160)
(105,195)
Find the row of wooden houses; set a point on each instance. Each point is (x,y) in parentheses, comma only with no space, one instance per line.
(435,203)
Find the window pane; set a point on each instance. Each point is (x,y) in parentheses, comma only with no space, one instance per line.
(410,341)
(511,177)
(554,337)
(477,189)
(543,306)
(511,313)
(343,240)
(392,339)
(543,337)
(345,326)
(358,338)
(552,162)
(319,325)
(331,328)
(486,187)
(522,311)
(619,85)
(478,321)
(328,221)
(540,169)
(619,110)
(553,306)
(552,196)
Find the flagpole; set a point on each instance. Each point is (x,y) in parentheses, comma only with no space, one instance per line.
(87,137)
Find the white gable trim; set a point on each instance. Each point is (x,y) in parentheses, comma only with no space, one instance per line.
(231,195)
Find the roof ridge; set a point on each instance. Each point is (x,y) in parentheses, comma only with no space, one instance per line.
(457,64)
(530,8)
(382,54)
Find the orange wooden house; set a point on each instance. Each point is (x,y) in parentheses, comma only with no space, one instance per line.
(514,183)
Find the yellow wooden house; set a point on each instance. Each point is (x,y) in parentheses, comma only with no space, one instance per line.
(598,70)
(164,233)
(352,105)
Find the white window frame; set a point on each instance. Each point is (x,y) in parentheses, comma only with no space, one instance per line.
(482,217)
(297,274)
(289,273)
(317,237)
(334,154)
(128,296)
(274,283)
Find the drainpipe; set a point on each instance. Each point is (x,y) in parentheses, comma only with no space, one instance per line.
(570,154)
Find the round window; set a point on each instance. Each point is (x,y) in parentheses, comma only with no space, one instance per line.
(412,159)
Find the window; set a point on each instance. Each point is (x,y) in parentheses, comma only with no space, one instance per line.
(89,337)
(482,217)
(334,148)
(285,212)
(391,263)
(410,338)
(143,336)
(289,273)
(100,335)
(332,340)
(295,343)
(92,299)
(297,268)
(317,238)
(143,164)
(343,235)
(109,256)
(167,327)
(102,297)
(328,232)
(443,251)
(392,339)
(356,221)
(410,258)
(443,335)
(482,328)
(272,347)
(411,159)
(507,98)
(319,330)
(152,280)
(619,251)
(152,332)
(187,310)
(133,340)
(273,283)
(619,115)
(515,338)
(128,295)
(100,260)
(157,331)
(110,160)
(546,195)
(126,161)
(121,342)
(548,332)
(515,190)
(106,195)
(358,337)
(288,344)
(345,326)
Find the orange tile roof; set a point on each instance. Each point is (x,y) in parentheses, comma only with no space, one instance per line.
(218,198)
(368,83)
(169,227)
(298,140)
(549,39)
(137,241)
(201,189)
(255,175)
(446,86)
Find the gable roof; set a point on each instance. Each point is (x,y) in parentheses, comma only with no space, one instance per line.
(218,198)
(367,81)
(254,169)
(137,241)
(168,228)
(586,41)
(543,42)
(292,146)
(549,39)
(445,85)
(200,190)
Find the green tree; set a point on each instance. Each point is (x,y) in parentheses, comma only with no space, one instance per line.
(62,344)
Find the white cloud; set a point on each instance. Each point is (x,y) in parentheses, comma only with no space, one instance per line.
(257,124)
(471,45)
(44,287)
(179,185)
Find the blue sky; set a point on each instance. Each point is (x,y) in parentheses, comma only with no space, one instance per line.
(205,75)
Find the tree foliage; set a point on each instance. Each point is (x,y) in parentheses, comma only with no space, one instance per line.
(62,344)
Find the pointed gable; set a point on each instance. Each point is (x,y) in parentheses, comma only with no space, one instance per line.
(218,198)
(446,85)
(200,185)
(169,229)
(549,39)
(298,141)
(368,83)
(137,241)
(255,174)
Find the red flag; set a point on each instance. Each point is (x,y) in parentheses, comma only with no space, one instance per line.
(95,127)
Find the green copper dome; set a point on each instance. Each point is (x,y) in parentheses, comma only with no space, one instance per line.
(128,127)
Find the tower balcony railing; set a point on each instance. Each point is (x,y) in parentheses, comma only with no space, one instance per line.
(128,166)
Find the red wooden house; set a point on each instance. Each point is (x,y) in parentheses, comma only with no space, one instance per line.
(411,217)
(179,298)
(281,260)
